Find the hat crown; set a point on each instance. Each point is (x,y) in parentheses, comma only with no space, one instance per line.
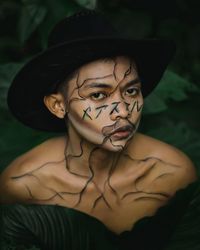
(82,25)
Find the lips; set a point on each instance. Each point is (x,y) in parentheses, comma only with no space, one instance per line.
(122,132)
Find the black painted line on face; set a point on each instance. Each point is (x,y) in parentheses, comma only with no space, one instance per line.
(114,69)
(85,114)
(139,107)
(130,83)
(127,105)
(93,79)
(115,108)
(77,79)
(98,114)
(70,100)
(98,85)
(128,71)
(115,77)
(134,104)
(116,146)
(100,108)
(75,99)
(113,103)
(134,124)
(79,86)
(106,130)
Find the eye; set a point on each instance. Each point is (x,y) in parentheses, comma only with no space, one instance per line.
(132,91)
(98,96)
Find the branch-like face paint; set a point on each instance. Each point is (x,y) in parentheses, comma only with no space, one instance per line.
(105,102)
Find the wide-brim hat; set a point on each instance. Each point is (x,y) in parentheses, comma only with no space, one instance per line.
(74,41)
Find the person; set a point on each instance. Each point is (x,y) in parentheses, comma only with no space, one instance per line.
(100,184)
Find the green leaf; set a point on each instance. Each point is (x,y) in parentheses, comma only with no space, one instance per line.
(132,23)
(175,87)
(171,87)
(7,72)
(154,104)
(32,14)
(90,4)
(56,10)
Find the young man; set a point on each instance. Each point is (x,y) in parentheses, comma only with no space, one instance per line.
(90,84)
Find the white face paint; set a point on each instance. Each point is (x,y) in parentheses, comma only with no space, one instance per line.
(105,102)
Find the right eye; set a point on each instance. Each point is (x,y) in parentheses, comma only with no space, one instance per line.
(98,96)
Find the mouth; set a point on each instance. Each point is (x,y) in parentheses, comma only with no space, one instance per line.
(122,132)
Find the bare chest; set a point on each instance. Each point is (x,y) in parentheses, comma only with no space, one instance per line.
(118,201)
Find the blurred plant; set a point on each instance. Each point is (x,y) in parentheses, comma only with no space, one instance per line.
(90,4)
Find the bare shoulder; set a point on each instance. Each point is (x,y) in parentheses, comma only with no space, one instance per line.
(146,147)
(49,150)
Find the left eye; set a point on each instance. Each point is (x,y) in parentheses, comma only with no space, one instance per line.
(132,91)
(98,96)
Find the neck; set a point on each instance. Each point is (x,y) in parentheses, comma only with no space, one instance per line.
(85,158)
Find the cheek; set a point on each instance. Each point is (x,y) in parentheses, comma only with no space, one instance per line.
(135,107)
(86,114)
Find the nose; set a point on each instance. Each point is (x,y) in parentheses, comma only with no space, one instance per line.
(119,109)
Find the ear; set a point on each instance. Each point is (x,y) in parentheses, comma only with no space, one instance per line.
(55,104)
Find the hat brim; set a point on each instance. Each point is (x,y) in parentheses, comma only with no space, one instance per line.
(26,93)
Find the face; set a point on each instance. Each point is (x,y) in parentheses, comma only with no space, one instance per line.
(105,102)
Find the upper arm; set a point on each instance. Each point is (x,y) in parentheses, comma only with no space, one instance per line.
(11,191)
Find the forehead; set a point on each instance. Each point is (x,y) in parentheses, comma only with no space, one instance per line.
(108,69)
(106,66)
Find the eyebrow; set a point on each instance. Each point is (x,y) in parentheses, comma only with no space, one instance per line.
(105,85)
(132,82)
(98,85)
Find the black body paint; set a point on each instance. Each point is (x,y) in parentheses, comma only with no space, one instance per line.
(85,113)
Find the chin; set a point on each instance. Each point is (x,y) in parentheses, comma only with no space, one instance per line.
(116,146)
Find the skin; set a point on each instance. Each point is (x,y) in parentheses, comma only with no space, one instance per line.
(98,99)
(103,167)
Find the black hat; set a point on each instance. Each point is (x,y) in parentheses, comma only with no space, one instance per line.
(74,41)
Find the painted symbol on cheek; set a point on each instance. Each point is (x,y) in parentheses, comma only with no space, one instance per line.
(115,108)
(127,106)
(85,114)
(100,110)
(136,104)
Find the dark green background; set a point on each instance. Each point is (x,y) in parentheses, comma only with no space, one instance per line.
(171,113)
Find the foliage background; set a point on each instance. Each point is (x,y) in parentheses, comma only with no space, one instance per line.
(171,112)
